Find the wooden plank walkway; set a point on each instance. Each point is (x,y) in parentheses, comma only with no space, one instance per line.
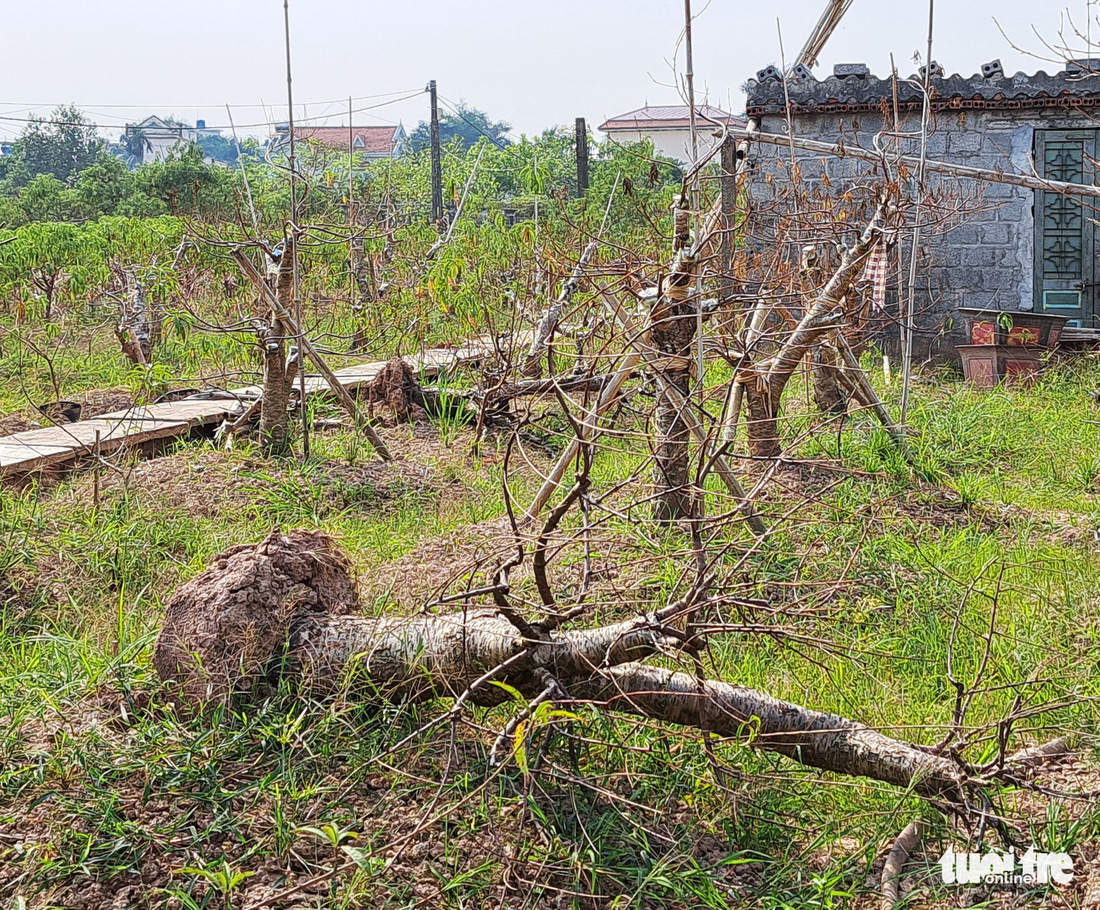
(55,446)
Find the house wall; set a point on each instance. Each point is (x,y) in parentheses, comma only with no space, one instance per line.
(988,259)
(162,146)
(675,144)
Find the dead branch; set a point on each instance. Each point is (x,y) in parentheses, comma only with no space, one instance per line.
(897,858)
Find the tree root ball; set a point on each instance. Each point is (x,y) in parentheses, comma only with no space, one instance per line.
(222,628)
(395,388)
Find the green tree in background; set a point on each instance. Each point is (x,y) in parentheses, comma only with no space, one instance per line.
(185,184)
(61,146)
(468,124)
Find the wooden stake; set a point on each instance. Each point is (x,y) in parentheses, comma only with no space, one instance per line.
(860,380)
(582,156)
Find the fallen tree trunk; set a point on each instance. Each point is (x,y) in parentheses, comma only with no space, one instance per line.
(812,738)
(285,603)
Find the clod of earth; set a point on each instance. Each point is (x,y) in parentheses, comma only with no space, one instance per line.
(396,390)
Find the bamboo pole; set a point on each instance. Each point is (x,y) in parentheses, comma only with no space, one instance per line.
(939,167)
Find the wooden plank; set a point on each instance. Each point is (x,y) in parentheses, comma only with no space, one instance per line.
(31,450)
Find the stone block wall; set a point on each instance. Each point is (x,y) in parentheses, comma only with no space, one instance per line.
(985,258)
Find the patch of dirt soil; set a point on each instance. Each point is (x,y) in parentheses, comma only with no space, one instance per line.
(93,403)
(204,483)
(437,564)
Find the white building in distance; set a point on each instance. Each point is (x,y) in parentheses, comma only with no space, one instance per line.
(669,128)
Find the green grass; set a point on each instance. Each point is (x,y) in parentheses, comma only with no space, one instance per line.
(880,575)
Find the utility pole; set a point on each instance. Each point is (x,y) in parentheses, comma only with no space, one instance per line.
(437,161)
(351,166)
(582,157)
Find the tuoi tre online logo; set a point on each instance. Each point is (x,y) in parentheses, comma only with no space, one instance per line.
(1034,868)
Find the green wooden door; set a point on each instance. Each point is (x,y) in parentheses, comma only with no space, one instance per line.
(1065,280)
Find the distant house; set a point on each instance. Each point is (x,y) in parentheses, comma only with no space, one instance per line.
(154,138)
(367,141)
(669,128)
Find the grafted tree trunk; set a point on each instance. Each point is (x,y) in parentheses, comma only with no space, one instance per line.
(672,326)
(285,604)
(139,325)
(279,374)
(764,382)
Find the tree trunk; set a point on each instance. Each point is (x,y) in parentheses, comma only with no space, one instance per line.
(283,603)
(139,325)
(812,738)
(765,382)
(672,332)
(827,395)
(366,291)
(279,375)
(762,421)
(532,365)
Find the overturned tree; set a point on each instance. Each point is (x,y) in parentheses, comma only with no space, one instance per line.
(287,605)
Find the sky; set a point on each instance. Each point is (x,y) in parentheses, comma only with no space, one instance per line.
(532,63)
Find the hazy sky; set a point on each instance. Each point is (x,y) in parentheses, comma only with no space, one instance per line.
(533,63)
